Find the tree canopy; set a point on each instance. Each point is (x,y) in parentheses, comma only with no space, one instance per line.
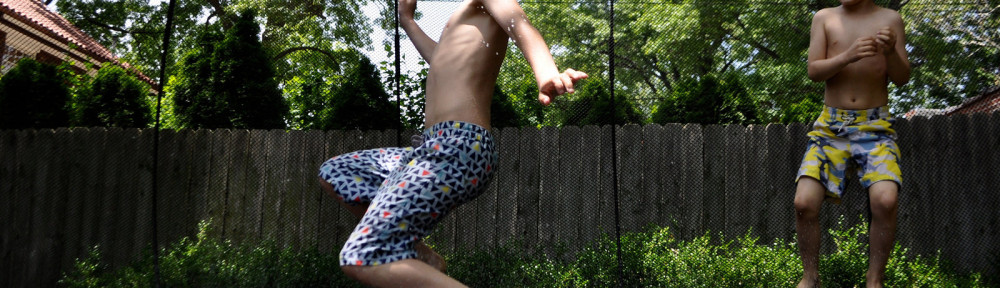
(229,83)
(659,47)
(133,29)
(348,94)
(661,44)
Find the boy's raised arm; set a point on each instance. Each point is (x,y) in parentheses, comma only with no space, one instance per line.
(893,41)
(514,21)
(425,45)
(821,65)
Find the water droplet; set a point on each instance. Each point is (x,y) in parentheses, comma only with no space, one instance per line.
(498,53)
(487,44)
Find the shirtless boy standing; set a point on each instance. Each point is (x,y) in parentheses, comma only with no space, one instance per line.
(401,193)
(856,48)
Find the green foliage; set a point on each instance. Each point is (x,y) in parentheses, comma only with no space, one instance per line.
(349,96)
(502,111)
(114,99)
(506,266)
(593,106)
(228,83)
(658,45)
(708,100)
(654,258)
(518,82)
(848,264)
(34,95)
(191,91)
(206,262)
(134,29)
(412,89)
(245,78)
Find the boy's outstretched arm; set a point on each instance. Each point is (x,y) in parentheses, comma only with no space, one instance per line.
(512,19)
(425,45)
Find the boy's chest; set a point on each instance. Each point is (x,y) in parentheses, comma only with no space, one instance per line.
(844,32)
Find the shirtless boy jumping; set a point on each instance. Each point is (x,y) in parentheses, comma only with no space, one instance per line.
(856,48)
(401,193)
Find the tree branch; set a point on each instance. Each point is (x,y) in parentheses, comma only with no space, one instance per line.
(118,29)
(282,54)
(754,44)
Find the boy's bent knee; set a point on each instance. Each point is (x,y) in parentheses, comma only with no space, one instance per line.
(884,196)
(805,207)
(358,273)
(809,196)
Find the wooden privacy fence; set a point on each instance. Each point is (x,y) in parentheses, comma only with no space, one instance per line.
(63,191)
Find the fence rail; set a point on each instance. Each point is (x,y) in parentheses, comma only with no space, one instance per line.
(64,191)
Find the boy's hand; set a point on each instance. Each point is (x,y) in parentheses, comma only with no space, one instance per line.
(861,48)
(558,85)
(886,40)
(406,9)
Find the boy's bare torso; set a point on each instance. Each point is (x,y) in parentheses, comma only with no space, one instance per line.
(862,84)
(465,66)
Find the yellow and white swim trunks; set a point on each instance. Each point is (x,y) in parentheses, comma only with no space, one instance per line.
(862,137)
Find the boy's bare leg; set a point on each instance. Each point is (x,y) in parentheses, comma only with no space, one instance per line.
(403,273)
(809,196)
(424,253)
(884,197)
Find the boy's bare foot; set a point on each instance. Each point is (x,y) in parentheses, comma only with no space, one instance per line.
(430,257)
(809,283)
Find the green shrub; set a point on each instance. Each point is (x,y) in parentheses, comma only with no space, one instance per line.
(33,95)
(115,99)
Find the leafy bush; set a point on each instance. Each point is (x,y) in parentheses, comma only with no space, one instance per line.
(115,99)
(33,95)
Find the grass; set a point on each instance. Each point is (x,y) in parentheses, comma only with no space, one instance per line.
(653,258)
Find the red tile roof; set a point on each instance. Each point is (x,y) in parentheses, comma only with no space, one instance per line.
(986,103)
(35,14)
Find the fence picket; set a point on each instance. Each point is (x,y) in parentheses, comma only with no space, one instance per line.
(735,178)
(715,179)
(218,174)
(568,204)
(659,174)
(528,198)
(236,187)
(691,177)
(588,223)
(486,207)
(8,168)
(73,163)
(506,181)
(313,154)
(115,236)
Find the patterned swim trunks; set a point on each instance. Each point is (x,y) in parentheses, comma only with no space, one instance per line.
(864,137)
(409,189)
